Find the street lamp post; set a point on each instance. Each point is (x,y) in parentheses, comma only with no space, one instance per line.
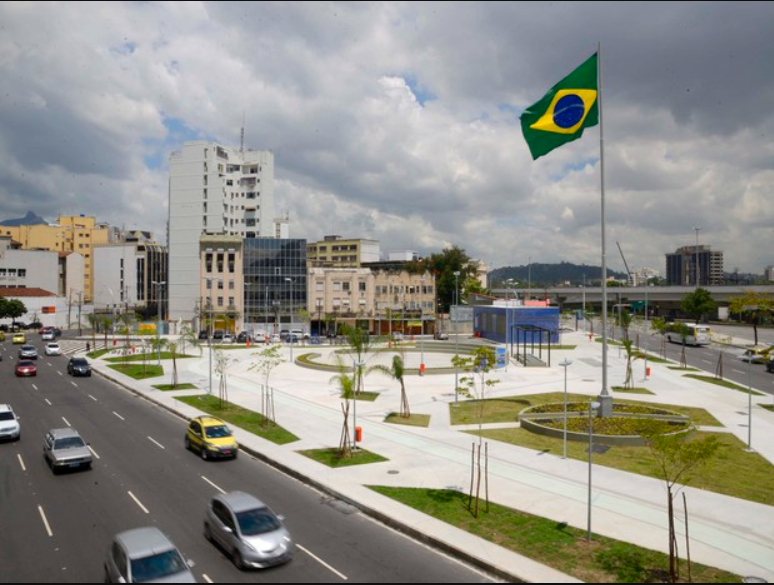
(158,323)
(357,366)
(565,364)
(290,337)
(422,321)
(593,407)
(457,337)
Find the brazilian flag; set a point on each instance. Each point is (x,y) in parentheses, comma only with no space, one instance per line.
(565,111)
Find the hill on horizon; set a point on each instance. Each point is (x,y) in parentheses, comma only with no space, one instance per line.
(550,274)
(29,219)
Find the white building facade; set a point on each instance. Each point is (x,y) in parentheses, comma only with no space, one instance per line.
(213,190)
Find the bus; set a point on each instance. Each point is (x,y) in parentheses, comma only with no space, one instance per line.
(697,334)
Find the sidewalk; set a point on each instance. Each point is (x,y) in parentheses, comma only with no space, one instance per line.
(728,533)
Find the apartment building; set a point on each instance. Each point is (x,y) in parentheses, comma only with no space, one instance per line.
(336,252)
(213,190)
(221,288)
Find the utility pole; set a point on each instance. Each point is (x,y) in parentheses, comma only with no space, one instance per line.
(698,280)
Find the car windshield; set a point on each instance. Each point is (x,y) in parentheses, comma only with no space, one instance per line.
(6,416)
(258,521)
(69,443)
(157,567)
(219,432)
(80,363)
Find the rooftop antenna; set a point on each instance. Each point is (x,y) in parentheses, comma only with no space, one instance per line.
(242,142)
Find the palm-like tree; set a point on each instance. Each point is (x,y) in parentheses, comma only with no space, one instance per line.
(346,384)
(396,372)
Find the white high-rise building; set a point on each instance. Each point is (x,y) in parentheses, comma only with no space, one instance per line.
(214,190)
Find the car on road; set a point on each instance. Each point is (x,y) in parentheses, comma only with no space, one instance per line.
(65,449)
(10,429)
(211,438)
(2,336)
(146,555)
(19,339)
(756,356)
(28,352)
(53,349)
(248,531)
(79,367)
(441,336)
(26,370)
(48,335)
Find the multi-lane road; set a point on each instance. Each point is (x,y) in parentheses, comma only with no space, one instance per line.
(56,529)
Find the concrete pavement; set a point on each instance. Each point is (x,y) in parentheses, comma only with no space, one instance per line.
(729,533)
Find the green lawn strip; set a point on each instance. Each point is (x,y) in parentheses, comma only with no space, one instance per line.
(415,420)
(724,384)
(171,388)
(247,420)
(149,357)
(768,407)
(632,390)
(682,369)
(366,396)
(499,410)
(557,545)
(733,472)
(332,458)
(138,371)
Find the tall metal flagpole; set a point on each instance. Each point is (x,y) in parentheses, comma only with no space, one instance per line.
(605,398)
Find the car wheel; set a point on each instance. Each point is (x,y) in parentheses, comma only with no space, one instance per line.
(203,453)
(187,443)
(239,562)
(207,532)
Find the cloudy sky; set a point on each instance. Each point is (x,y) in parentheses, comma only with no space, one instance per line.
(399,121)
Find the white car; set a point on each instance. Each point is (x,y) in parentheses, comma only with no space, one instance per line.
(10,429)
(53,349)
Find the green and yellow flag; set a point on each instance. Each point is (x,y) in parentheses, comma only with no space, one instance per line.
(564,112)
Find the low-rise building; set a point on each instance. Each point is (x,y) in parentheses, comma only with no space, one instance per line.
(222,291)
(336,252)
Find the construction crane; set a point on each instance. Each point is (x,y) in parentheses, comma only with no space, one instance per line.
(629,272)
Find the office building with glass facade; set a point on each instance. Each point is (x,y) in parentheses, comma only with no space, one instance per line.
(275,277)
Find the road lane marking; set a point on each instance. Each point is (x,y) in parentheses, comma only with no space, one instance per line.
(45,522)
(60,373)
(21,462)
(94,399)
(67,422)
(155,442)
(738,372)
(48,402)
(323,563)
(707,362)
(222,491)
(138,502)
(35,387)
(119,416)
(74,384)
(93,452)
(206,578)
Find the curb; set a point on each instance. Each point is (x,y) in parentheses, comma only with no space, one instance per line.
(431,541)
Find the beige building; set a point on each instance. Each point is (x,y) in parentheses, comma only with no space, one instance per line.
(71,234)
(335,252)
(362,295)
(222,290)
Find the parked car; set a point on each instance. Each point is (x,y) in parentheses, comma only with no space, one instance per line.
(248,531)
(441,336)
(146,555)
(53,349)
(203,336)
(10,429)
(26,370)
(79,367)
(65,449)
(28,352)
(211,438)
(48,335)
(227,338)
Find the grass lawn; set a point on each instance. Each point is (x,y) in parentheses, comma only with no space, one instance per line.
(768,407)
(138,371)
(248,420)
(723,384)
(150,357)
(733,472)
(632,390)
(171,388)
(332,458)
(366,396)
(415,420)
(499,410)
(682,369)
(554,544)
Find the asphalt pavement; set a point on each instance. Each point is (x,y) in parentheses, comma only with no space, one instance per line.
(56,529)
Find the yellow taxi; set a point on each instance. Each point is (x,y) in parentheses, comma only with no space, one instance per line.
(2,336)
(211,438)
(19,339)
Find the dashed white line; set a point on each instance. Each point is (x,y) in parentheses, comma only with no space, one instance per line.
(138,502)
(155,442)
(93,452)
(48,402)
(21,462)
(119,416)
(60,373)
(341,576)
(94,399)
(34,387)
(738,372)
(222,491)
(45,522)
(74,384)
(206,578)
(66,422)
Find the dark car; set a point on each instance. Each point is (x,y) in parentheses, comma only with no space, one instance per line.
(203,336)
(770,366)
(79,367)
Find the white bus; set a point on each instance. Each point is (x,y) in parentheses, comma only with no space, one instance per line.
(698,334)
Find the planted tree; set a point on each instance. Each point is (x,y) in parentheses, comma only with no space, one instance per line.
(396,372)
(755,306)
(677,457)
(346,384)
(698,304)
(222,364)
(268,360)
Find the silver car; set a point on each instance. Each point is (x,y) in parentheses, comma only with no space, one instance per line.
(65,449)
(28,352)
(248,531)
(10,429)
(146,555)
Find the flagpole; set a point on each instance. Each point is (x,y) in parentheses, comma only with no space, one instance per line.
(605,399)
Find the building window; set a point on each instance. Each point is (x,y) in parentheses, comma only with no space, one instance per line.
(363,287)
(346,287)
(320,286)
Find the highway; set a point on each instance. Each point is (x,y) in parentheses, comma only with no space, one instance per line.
(56,529)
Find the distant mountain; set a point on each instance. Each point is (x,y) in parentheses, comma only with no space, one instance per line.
(29,219)
(550,274)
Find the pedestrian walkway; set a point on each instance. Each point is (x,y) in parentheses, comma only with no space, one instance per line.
(728,533)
